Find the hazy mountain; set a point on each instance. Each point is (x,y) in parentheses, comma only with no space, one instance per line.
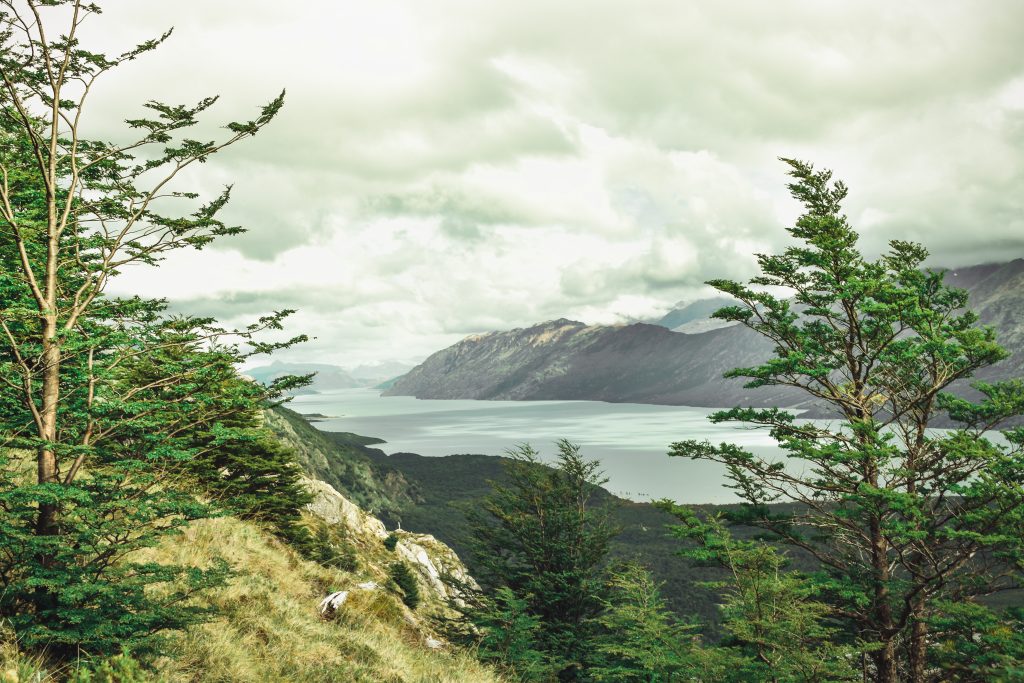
(327,376)
(643,363)
(697,311)
(375,373)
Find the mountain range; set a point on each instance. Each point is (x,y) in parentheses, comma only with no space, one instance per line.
(328,377)
(650,363)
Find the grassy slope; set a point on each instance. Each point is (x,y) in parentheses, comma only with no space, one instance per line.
(268,630)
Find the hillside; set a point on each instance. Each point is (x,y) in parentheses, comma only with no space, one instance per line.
(270,623)
(643,363)
(342,464)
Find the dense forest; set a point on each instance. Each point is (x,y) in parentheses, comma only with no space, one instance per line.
(163,518)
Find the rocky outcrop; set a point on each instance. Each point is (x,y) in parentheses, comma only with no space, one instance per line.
(438,568)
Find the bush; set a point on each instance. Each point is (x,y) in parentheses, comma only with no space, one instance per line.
(328,546)
(390,542)
(405,581)
(120,669)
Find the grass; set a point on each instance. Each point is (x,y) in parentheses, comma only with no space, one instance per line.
(268,628)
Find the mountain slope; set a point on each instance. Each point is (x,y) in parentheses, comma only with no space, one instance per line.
(642,363)
(342,464)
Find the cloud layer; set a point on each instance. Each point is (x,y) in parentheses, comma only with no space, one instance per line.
(452,167)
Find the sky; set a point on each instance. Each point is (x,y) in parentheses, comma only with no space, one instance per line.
(443,168)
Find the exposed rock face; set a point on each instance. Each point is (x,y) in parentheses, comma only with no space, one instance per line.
(642,363)
(431,559)
(334,508)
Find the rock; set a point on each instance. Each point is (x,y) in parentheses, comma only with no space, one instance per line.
(433,643)
(433,560)
(335,508)
(368,586)
(329,605)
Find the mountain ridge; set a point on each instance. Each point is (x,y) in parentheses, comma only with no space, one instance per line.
(565,359)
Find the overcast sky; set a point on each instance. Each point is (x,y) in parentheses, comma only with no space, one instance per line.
(444,168)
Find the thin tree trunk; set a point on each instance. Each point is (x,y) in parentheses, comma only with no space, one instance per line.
(885,658)
(48,519)
(918,650)
(47,466)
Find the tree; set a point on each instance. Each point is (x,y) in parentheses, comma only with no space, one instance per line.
(542,537)
(638,639)
(776,630)
(109,452)
(506,635)
(405,581)
(898,517)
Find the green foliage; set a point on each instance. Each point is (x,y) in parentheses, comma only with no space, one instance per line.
(328,546)
(637,638)
(405,581)
(391,542)
(542,538)
(777,630)
(507,636)
(897,516)
(974,644)
(119,669)
(115,406)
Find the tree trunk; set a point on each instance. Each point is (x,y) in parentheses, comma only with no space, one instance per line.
(885,663)
(48,519)
(885,658)
(918,650)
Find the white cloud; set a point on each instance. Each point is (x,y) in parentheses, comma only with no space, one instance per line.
(449,167)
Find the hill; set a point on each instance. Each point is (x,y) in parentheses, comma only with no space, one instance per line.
(643,363)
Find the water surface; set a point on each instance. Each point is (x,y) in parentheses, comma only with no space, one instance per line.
(631,440)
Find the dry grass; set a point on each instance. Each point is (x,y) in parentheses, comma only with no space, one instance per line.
(269,629)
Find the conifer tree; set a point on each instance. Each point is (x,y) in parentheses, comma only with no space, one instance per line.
(93,461)
(898,517)
(638,640)
(543,537)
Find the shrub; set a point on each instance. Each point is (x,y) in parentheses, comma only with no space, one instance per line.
(405,581)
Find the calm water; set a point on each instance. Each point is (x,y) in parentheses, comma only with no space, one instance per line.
(631,440)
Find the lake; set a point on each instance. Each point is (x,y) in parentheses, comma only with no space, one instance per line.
(630,439)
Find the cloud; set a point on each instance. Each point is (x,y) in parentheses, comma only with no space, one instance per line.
(455,166)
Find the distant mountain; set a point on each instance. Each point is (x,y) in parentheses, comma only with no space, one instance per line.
(328,377)
(698,311)
(372,374)
(642,363)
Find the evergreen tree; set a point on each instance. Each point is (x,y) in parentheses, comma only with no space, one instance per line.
(898,517)
(542,537)
(776,630)
(94,461)
(506,635)
(638,639)
(405,581)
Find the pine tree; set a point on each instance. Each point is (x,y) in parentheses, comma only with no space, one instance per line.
(638,639)
(405,581)
(898,517)
(542,536)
